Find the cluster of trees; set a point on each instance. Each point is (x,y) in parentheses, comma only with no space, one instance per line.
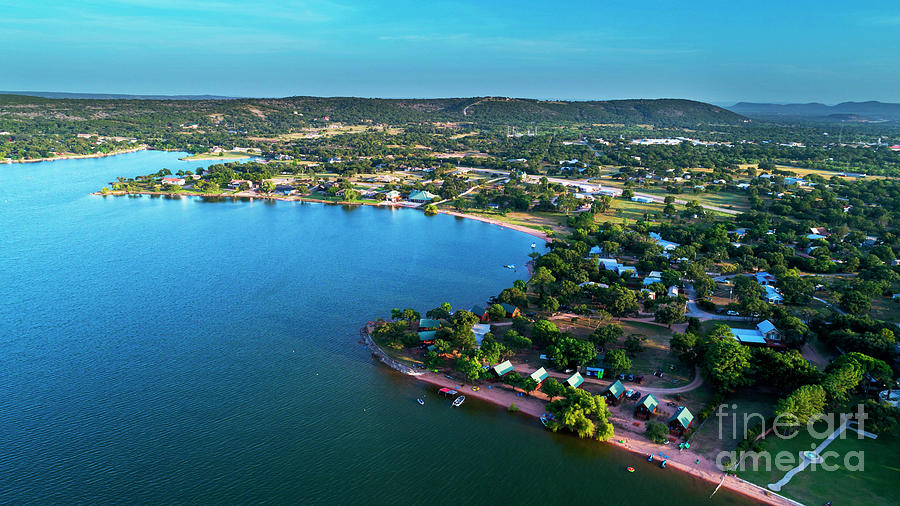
(582,413)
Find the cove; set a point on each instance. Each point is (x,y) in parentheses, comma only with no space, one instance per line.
(179,350)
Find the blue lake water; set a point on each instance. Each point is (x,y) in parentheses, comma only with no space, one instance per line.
(182,351)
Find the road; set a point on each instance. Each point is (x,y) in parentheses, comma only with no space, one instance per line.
(693,310)
(525,370)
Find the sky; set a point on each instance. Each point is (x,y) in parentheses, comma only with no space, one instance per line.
(719,52)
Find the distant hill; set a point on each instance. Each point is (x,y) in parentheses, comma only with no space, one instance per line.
(112,96)
(260,114)
(871,111)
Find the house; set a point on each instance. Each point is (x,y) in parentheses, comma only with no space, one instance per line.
(427,337)
(503,368)
(743,186)
(610,264)
(772,296)
(646,407)
(764,278)
(653,277)
(813,237)
(429,324)
(644,200)
(614,393)
(680,421)
(480,330)
(765,334)
(481,313)
(235,184)
(393,196)
(819,231)
(575,380)
(421,196)
(540,375)
(596,250)
(672,291)
(666,245)
(511,311)
(284,189)
(626,268)
(177,181)
(650,294)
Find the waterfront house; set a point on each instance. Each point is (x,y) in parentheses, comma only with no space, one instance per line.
(427,337)
(481,313)
(429,324)
(575,380)
(503,368)
(511,311)
(421,196)
(680,421)
(177,181)
(540,375)
(393,196)
(646,407)
(614,393)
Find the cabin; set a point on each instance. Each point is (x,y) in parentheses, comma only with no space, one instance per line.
(646,407)
(575,380)
(672,291)
(429,324)
(653,277)
(680,421)
(511,311)
(614,393)
(393,196)
(427,337)
(481,313)
(540,375)
(772,296)
(503,368)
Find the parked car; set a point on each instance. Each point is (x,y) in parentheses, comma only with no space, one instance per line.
(630,377)
(732,312)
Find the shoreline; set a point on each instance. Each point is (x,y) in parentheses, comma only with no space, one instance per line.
(503,395)
(519,228)
(79,157)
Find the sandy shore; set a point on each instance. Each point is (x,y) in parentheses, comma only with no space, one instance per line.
(78,157)
(519,228)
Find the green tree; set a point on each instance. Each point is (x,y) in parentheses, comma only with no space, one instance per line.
(552,388)
(544,332)
(657,432)
(617,361)
(515,340)
(801,405)
(726,362)
(496,312)
(606,336)
(267,186)
(542,278)
(855,302)
(441,312)
(686,345)
(549,304)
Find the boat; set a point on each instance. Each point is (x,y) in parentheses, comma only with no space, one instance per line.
(629,469)
(421,402)
(545,419)
(459,400)
(533,245)
(510,266)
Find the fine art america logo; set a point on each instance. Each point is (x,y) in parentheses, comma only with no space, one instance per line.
(823,429)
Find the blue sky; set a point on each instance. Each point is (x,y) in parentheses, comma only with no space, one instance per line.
(785,51)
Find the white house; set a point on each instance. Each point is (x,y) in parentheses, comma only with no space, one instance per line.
(666,245)
(764,333)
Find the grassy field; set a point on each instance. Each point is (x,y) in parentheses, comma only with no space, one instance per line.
(724,434)
(874,483)
(884,308)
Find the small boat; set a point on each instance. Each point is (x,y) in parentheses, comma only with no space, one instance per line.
(629,469)
(663,464)
(545,419)
(421,402)
(459,400)
(533,245)
(510,266)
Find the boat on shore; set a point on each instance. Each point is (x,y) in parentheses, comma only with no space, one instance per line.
(421,402)
(458,401)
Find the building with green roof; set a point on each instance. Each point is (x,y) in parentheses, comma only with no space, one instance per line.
(480,312)
(511,311)
(680,421)
(540,375)
(503,368)
(429,324)
(646,407)
(614,392)
(575,380)
(427,337)
(421,196)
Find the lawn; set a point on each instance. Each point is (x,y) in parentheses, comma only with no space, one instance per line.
(723,434)
(874,483)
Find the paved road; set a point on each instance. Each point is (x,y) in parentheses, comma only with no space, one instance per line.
(693,310)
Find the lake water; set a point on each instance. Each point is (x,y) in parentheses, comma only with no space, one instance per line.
(182,351)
